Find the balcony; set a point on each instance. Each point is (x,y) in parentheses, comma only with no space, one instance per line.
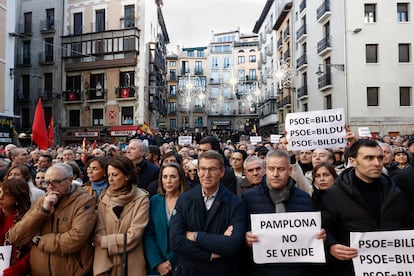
(324,81)
(302,92)
(324,46)
(46,59)
(198,71)
(25,29)
(286,33)
(287,101)
(279,105)
(173,77)
(47,26)
(72,96)
(95,95)
(198,108)
(323,12)
(125,92)
(301,34)
(47,95)
(286,55)
(279,43)
(129,22)
(302,6)
(301,62)
(23,96)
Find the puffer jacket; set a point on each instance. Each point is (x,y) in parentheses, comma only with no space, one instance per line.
(344,210)
(65,247)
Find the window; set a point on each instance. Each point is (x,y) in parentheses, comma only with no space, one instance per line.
(173,74)
(372,96)
(402,12)
(129,43)
(173,90)
(100,20)
(252,58)
(25,94)
(25,117)
(199,122)
(190,53)
(405,96)
(129,14)
(26,52)
(185,68)
(97,117)
(198,68)
(328,101)
(173,107)
(126,78)
(74,117)
(226,61)
(50,19)
(370,13)
(73,83)
(403,52)
(214,63)
(77,23)
(48,49)
(305,107)
(27,23)
(200,53)
(48,84)
(173,123)
(97,82)
(242,75)
(127,113)
(240,59)
(173,63)
(371,52)
(252,74)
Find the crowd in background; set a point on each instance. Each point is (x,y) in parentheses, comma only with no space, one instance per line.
(136,188)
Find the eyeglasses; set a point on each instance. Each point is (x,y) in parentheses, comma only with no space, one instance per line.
(55,182)
(212,170)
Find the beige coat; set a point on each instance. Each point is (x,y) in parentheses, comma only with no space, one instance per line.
(133,220)
(65,247)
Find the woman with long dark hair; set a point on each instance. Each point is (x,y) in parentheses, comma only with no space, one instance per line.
(14,203)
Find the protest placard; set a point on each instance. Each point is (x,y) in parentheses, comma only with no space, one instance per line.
(185,140)
(287,238)
(383,253)
(315,129)
(275,138)
(254,140)
(5,254)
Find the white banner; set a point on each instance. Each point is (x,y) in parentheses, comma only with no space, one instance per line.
(287,238)
(254,140)
(5,254)
(275,138)
(386,253)
(185,140)
(316,129)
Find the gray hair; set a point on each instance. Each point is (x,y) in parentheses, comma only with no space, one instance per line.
(254,158)
(141,143)
(66,168)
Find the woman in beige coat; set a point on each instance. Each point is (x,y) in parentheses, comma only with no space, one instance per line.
(123,210)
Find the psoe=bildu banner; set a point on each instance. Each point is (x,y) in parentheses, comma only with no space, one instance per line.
(316,129)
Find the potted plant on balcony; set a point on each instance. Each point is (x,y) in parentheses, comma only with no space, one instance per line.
(72,95)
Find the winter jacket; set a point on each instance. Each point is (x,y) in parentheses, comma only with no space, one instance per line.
(190,214)
(344,210)
(258,201)
(132,221)
(65,245)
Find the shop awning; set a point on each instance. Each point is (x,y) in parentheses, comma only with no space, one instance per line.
(124,130)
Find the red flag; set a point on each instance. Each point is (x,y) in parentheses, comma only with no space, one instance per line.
(39,132)
(84,151)
(51,132)
(94,144)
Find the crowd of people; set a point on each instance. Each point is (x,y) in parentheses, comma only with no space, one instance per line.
(171,209)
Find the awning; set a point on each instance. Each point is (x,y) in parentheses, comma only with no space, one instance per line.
(124,130)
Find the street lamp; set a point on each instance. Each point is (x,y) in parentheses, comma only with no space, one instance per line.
(283,74)
(339,67)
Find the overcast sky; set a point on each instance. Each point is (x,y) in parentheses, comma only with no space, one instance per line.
(190,22)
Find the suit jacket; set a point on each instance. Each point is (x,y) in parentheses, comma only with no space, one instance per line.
(148,172)
(190,214)
(156,242)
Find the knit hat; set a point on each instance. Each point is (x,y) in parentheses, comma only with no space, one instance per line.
(410,141)
(400,150)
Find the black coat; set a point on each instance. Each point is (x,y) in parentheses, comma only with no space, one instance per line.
(344,210)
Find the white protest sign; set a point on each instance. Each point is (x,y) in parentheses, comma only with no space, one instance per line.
(287,238)
(5,253)
(387,253)
(185,140)
(316,129)
(255,139)
(364,132)
(275,138)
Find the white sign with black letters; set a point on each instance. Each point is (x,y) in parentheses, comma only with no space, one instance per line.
(5,254)
(387,253)
(316,129)
(287,238)
(185,140)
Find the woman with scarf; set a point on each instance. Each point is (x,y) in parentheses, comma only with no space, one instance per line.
(123,213)
(14,202)
(98,183)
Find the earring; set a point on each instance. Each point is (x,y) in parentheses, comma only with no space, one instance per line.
(17,203)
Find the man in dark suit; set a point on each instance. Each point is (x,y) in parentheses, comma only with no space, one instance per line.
(208,224)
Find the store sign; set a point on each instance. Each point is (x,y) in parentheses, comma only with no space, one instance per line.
(221,123)
(82,134)
(122,132)
(6,131)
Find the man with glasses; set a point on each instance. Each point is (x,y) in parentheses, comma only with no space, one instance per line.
(59,225)
(208,224)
